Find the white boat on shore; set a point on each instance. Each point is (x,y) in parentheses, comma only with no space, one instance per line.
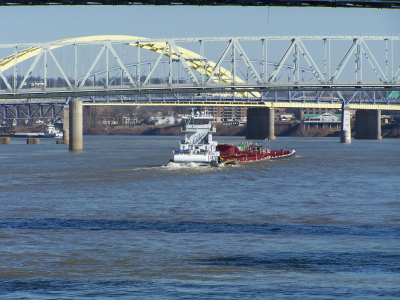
(51,132)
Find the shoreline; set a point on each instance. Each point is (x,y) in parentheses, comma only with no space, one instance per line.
(281,130)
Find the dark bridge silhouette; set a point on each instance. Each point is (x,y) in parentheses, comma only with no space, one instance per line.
(309,3)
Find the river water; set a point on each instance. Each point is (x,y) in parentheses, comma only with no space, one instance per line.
(117,221)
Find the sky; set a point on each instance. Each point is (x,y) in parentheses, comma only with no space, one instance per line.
(48,23)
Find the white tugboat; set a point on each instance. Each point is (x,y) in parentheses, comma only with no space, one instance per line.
(52,132)
(197,147)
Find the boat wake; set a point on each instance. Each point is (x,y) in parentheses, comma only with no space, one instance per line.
(147,168)
(189,165)
(171,166)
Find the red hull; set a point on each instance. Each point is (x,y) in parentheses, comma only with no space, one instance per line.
(229,153)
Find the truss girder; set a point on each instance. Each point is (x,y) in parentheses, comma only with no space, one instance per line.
(214,74)
(49,110)
(30,110)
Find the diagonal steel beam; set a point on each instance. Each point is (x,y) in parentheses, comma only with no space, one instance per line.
(56,113)
(248,63)
(115,76)
(156,64)
(340,96)
(368,97)
(282,61)
(394,77)
(372,65)
(122,65)
(184,63)
(33,65)
(228,47)
(59,68)
(19,110)
(45,113)
(344,60)
(352,97)
(5,80)
(35,111)
(93,65)
(316,72)
(9,110)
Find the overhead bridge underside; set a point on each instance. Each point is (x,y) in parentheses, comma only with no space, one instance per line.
(309,3)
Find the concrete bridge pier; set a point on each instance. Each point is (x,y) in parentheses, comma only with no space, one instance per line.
(260,124)
(345,134)
(66,126)
(75,125)
(368,124)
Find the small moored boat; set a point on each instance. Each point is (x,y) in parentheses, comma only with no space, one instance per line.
(51,132)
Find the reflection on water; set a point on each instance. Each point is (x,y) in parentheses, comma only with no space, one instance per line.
(118,220)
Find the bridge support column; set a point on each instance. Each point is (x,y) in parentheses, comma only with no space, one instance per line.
(66,125)
(260,123)
(368,124)
(345,135)
(75,125)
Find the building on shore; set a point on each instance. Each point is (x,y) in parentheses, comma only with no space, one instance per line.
(325,119)
(236,115)
(130,121)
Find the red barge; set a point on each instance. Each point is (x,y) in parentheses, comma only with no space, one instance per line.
(231,154)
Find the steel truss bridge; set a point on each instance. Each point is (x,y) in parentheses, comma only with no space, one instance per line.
(307,3)
(37,79)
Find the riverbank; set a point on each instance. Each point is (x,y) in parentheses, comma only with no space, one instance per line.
(281,129)
(222,130)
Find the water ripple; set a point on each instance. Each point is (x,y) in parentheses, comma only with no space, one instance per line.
(367,261)
(199,227)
